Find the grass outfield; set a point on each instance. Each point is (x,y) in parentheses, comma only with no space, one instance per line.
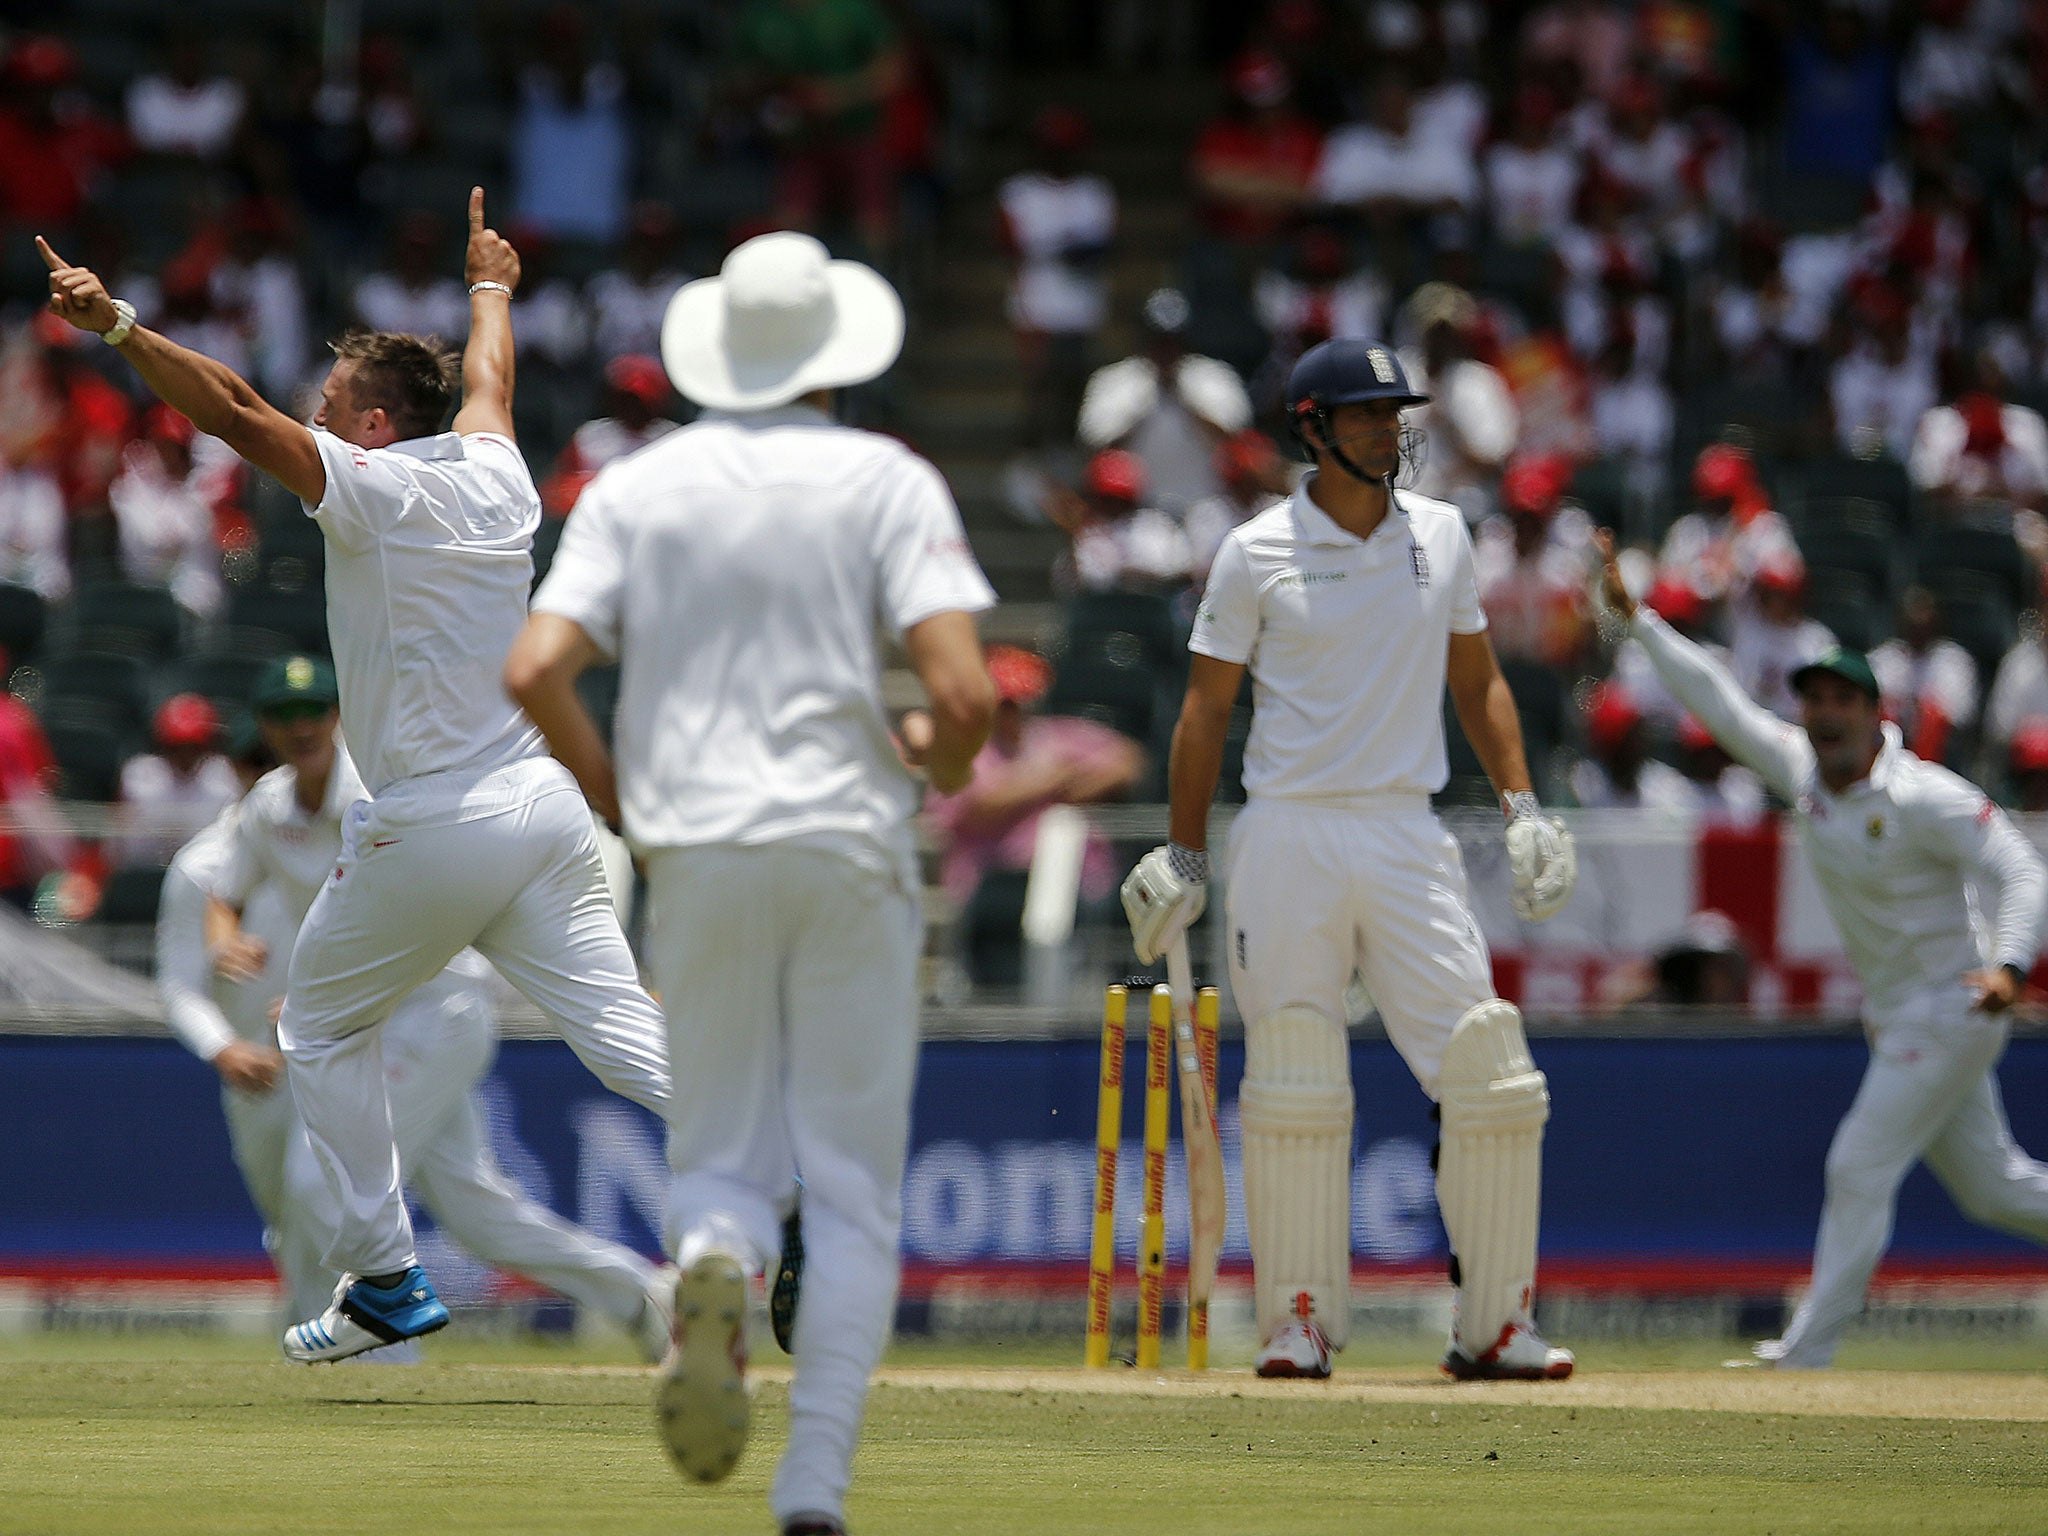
(141,1434)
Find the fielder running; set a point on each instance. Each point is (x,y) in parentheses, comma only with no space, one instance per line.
(1352,604)
(1939,901)
(283,843)
(475,836)
(739,570)
(224,1020)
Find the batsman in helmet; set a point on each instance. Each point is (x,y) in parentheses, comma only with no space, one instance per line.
(1353,606)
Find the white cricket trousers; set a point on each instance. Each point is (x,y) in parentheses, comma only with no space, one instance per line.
(1929,1094)
(413,887)
(1316,893)
(437,1046)
(790,978)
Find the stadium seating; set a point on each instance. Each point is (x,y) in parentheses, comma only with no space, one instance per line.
(131,894)
(116,682)
(22,620)
(115,616)
(89,757)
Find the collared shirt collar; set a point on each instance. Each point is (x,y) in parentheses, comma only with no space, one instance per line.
(1316,527)
(794,414)
(442,445)
(1891,748)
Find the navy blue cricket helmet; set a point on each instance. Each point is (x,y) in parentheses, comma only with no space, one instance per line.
(1344,371)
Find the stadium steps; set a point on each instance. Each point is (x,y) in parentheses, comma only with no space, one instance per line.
(962,401)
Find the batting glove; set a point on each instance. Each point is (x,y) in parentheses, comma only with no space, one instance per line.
(1163,896)
(1542,858)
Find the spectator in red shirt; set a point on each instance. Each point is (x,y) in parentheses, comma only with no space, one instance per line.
(637,398)
(52,144)
(1253,164)
(33,839)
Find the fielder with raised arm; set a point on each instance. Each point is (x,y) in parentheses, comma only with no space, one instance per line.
(474,835)
(1353,604)
(1910,858)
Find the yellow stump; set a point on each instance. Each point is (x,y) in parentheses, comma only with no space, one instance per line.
(1207,1006)
(1152,1239)
(1109,1106)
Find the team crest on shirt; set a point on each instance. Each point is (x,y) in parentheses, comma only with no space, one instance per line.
(1382,365)
(1874,828)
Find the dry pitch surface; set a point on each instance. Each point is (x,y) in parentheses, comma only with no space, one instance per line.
(123,1436)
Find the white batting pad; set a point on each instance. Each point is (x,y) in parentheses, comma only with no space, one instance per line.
(1489,1171)
(1295,1108)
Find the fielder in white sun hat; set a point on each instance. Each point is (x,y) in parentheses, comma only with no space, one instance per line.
(781,319)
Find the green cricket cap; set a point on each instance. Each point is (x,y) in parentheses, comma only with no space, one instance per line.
(1852,666)
(294,680)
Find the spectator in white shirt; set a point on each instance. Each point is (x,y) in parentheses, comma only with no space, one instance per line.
(169,794)
(629,301)
(1120,542)
(1642,148)
(1883,385)
(258,280)
(1058,222)
(1254,476)
(415,296)
(1723,790)
(1531,567)
(1393,163)
(1314,293)
(1166,405)
(184,109)
(165,526)
(1982,447)
(548,322)
(1618,772)
(32,552)
(1470,420)
(1632,414)
(2020,691)
(1771,638)
(1532,175)
(1928,683)
(1731,534)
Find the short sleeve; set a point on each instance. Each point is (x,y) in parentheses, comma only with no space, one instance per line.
(1467,616)
(235,868)
(587,582)
(1227,622)
(926,564)
(365,493)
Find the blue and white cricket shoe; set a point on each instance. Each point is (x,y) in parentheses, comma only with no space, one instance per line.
(363,1316)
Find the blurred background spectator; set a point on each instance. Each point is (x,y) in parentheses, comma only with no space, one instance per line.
(988,832)
(1121,541)
(168,794)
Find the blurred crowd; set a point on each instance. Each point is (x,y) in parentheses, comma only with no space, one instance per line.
(255,190)
(1761,286)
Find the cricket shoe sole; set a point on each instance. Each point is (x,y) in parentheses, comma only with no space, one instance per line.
(701,1405)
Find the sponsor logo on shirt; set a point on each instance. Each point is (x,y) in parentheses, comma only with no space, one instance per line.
(941,547)
(1420,562)
(362,459)
(1985,812)
(1310,578)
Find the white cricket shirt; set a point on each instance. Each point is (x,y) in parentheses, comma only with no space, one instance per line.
(739,570)
(203,1011)
(429,561)
(277,842)
(1347,640)
(1923,875)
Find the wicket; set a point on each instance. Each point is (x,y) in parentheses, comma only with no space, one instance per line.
(1108,1134)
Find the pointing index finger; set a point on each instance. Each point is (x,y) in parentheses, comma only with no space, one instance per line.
(476,210)
(51,259)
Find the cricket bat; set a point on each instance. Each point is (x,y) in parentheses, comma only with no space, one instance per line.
(1200,1145)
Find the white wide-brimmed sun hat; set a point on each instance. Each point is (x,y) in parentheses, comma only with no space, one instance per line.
(780,320)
